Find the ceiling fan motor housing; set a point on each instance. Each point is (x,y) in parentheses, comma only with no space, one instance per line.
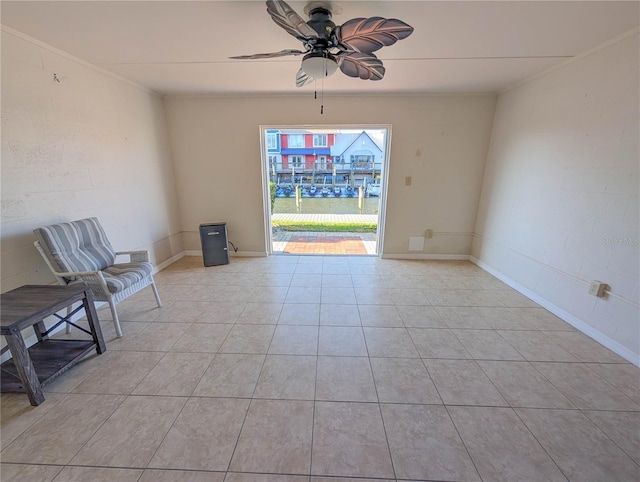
(320,21)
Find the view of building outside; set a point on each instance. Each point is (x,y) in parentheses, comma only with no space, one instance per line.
(325,164)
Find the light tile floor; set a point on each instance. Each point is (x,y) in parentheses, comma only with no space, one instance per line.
(326,369)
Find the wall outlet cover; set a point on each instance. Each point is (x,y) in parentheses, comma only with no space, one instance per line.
(416,243)
(597,288)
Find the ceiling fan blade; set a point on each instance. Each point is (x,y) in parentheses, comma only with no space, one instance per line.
(269,55)
(363,65)
(371,34)
(288,19)
(303,78)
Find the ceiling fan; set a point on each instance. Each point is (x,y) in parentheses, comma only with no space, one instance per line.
(328,46)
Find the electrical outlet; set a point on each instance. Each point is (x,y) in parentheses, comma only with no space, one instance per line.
(429,233)
(597,288)
(407,181)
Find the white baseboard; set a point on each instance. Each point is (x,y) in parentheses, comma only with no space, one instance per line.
(248,254)
(256,254)
(168,262)
(585,328)
(239,254)
(445,257)
(193,253)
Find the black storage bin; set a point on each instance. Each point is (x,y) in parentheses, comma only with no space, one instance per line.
(215,250)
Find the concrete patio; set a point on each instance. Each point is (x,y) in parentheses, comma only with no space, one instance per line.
(307,242)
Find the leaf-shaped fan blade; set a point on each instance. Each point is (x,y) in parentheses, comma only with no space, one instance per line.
(270,55)
(371,34)
(288,19)
(358,64)
(302,78)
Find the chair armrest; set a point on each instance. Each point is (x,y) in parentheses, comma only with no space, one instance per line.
(78,274)
(93,279)
(136,256)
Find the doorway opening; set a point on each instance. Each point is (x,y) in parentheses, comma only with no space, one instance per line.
(325,188)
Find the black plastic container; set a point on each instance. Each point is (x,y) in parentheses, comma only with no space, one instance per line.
(215,248)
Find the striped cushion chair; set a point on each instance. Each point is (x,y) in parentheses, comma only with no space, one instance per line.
(79,251)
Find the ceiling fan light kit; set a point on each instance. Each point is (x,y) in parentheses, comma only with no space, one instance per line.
(328,46)
(319,64)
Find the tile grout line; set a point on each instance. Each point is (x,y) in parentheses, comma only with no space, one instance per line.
(251,399)
(315,389)
(540,444)
(375,386)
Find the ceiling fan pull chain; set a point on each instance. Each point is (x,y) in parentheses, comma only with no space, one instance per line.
(322,96)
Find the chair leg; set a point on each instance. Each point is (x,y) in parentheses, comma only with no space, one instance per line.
(116,320)
(155,292)
(68,327)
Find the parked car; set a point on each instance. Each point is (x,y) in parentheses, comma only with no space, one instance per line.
(373,190)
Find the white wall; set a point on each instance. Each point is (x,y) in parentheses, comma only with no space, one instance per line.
(86,144)
(561,191)
(440,141)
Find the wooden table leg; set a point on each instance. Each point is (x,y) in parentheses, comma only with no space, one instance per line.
(94,324)
(40,329)
(26,370)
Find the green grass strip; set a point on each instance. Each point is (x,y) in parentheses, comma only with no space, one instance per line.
(326,227)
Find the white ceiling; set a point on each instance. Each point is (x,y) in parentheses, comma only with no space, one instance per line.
(182,47)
